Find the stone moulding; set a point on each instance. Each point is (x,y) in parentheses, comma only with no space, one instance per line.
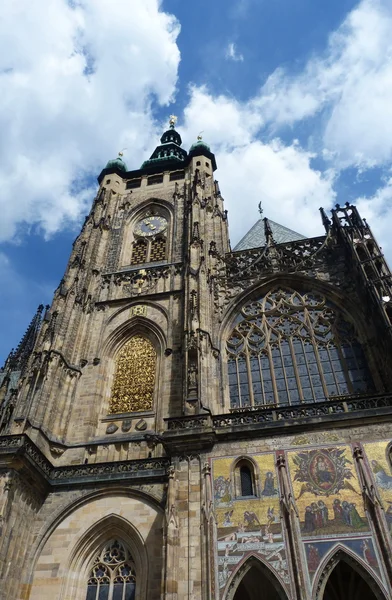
(348,407)
(20,446)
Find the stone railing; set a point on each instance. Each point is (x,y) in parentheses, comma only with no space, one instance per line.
(281,414)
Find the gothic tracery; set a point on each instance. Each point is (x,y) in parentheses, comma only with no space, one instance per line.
(288,348)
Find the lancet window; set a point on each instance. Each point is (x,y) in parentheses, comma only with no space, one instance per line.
(113,575)
(290,348)
(134,378)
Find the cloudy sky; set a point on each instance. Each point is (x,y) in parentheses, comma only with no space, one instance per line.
(293,97)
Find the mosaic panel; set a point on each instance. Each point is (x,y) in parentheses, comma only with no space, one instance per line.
(382,474)
(327,492)
(248,525)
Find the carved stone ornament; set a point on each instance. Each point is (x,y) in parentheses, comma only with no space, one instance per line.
(111,428)
(141,425)
(126,425)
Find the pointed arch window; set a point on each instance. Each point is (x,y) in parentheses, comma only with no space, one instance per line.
(113,575)
(288,348)
(134,378)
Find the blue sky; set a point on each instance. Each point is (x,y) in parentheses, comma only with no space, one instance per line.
(293,97)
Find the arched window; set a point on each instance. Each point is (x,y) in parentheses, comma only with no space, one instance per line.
(112,576)
(139,252)
(134,379)
(244,479)
(288,348)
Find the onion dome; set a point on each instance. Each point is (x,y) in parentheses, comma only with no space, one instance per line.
(117,163)
(200,148)
(199,144)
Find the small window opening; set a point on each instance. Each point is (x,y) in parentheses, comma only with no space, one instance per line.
(154,179)
(198,163)
(133,183)
(177,175)
(107,181)
(246,481)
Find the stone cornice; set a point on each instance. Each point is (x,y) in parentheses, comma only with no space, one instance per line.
(18,451)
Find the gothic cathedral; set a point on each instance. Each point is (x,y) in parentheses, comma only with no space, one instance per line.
(192,422)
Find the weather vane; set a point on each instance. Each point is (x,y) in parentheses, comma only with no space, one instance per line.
(172,120)
(260,209)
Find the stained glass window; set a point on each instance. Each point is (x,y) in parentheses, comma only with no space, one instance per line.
(112,576)
(291,348)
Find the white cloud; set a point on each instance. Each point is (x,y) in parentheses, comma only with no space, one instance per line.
(280,176)
(348,88)
(76,83)
(351,83)
(232,53)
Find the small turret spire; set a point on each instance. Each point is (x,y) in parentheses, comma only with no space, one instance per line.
(17,359)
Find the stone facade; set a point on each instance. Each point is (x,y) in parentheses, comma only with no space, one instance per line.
(222,482)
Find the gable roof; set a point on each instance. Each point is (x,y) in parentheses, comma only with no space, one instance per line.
(256,236)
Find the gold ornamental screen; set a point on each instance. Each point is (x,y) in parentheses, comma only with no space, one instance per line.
(134,378)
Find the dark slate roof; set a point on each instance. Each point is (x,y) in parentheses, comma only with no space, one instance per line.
(256,238)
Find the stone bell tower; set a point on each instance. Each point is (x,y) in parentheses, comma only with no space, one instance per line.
(125,345)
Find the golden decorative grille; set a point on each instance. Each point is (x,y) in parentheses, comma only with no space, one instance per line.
(158,250)
(139,253)
(134,379)
(288,348)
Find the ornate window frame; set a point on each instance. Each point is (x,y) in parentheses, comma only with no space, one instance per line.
(299,289)
(136,326)
(235,480)
(83,555)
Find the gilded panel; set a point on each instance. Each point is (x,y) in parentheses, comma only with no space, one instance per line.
(382,474)
(327,492)
(248,525)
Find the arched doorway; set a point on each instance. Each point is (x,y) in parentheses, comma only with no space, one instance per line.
(345,579)
(253,581)
(253,584)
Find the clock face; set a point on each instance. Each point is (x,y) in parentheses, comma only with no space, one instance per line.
(150,226)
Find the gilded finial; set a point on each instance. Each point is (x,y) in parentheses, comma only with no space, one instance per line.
(121,153)
(172,121)
(200,137)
